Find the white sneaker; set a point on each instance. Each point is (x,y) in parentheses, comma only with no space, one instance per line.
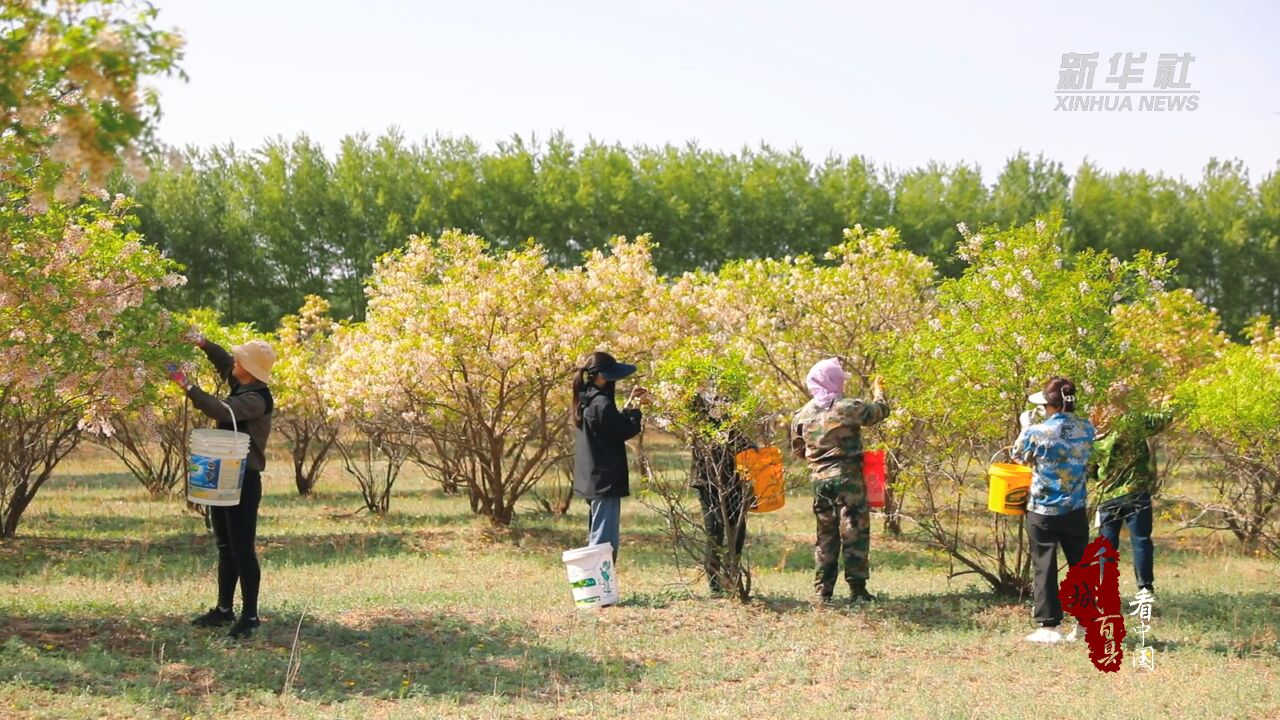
(1045,635)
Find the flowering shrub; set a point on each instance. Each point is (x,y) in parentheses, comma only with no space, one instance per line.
(472,352)
(786,314)
(462,347)
(151,440)
(616,301)
(71,104)
(855,304)
(80,333)
(708,398)
(303,345)
(700,392)
(359,402)
(81,336)
(1165,337)
(1022,312)
(150,436)
(1232,404)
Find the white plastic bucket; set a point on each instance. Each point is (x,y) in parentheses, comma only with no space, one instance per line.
(215,472)
(591,575)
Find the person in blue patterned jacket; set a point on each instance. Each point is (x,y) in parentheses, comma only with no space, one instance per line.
(1058,449)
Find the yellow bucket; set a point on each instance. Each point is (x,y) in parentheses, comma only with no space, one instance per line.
(1010,484)
(763,469)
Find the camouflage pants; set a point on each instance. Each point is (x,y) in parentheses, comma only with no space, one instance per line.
(844,529)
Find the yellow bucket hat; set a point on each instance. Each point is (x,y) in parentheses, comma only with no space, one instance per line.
(257,357)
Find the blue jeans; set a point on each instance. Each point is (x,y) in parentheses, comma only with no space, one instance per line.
(603,521)
(1134,511)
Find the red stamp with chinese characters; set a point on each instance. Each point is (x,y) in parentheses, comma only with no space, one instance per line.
(1091,594)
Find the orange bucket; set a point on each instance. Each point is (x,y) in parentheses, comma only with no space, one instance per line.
(763,468)
(1009,485)
(873,476)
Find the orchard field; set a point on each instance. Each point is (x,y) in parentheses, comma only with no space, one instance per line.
(430,613)
(431,305)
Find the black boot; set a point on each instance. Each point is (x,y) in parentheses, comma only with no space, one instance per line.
(216,617)
(858,592)
(244,627)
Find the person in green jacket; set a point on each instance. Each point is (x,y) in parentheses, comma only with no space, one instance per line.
(1125,472)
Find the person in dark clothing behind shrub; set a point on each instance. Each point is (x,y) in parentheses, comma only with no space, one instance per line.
(1125,470)
(247,369)
(600,472)
(722,493)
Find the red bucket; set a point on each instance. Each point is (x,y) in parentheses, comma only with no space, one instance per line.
(873,475)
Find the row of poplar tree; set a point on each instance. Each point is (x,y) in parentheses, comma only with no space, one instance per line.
(258,230)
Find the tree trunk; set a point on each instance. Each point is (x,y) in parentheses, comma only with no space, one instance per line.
(13,514)
(892,518)
(892,506)
(300,478)
(501,515)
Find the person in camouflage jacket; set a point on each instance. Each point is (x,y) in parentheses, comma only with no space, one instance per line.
(827,432)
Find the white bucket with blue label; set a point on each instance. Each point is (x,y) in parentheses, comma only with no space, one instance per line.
(591,575)
(215,473)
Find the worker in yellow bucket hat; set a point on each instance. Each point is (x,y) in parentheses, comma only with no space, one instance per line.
(247,369)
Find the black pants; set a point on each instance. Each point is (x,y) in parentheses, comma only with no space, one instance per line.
(1045,533)
(236,528)
(717,506)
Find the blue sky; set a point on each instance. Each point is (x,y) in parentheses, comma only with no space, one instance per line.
(901,83)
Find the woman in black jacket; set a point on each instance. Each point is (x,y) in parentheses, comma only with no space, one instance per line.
(247,369)
(600,451)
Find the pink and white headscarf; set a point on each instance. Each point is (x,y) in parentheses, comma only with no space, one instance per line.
(826,381)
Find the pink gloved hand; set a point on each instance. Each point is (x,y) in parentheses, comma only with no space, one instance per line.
(177,376)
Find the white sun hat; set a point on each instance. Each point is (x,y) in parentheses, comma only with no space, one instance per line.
(257,357)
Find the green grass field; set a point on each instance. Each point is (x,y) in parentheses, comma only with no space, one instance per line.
(429,614)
